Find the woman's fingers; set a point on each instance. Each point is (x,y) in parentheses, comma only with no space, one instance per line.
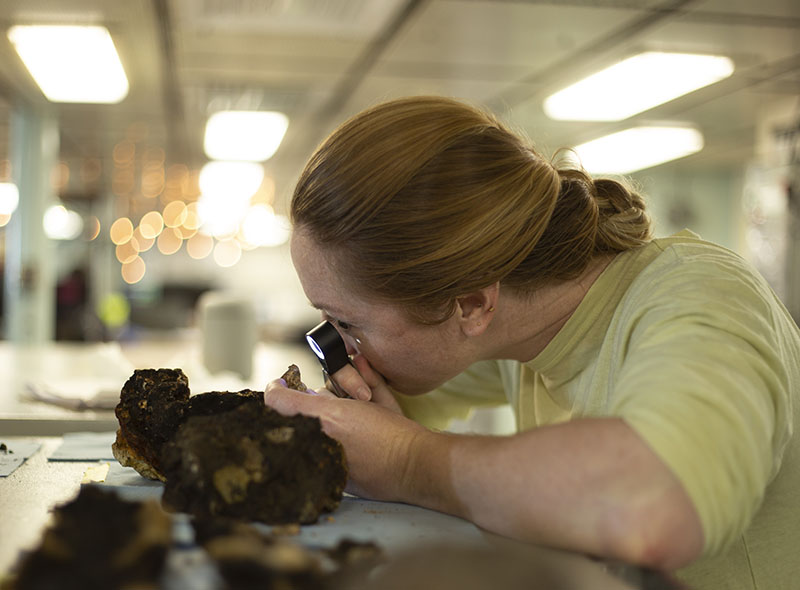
(381,394)
(348,379)
(290,402)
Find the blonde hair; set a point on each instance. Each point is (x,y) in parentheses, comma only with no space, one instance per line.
(424,199)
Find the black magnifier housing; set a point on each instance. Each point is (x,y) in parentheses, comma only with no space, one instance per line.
(328,345)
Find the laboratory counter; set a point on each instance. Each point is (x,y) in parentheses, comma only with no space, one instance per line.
(54,472)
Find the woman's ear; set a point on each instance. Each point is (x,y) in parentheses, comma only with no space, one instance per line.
(475,310)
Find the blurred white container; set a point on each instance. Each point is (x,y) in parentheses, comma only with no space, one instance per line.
(228,326)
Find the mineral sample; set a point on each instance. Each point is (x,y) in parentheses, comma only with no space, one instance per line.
(293,380)
(99,541)
(253,463)
(249,558)
(152,405)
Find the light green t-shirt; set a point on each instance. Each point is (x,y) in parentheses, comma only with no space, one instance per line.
(688,344)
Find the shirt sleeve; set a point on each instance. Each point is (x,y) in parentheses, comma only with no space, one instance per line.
(705,382)
(479,386)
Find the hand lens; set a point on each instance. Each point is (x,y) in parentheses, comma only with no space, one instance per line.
(327,344)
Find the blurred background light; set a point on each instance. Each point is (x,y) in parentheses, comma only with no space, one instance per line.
(227,253)
(133,270)
(199,246)
(636,84)
(71,63)
(220,217)
(261,227)
(231,180)
(121,230)
(92,228)
(175,213)
(144,244)
(9,198)
(637,148)
(169,241)
(61,223)
(244,135)
(128,251)
(151,224)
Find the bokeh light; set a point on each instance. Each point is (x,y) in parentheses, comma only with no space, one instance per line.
(133,271)
(61,223)
(121,230)
(151,224)
(92,228)
(169,241)
(144,243)
(227,253)
(128,251)
(199,246)
(175,213)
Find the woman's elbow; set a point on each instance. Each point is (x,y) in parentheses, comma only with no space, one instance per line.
(664,535)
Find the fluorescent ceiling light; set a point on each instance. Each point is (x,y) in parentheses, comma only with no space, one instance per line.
(636,84)
(637,148)
(244,135)
(72,63)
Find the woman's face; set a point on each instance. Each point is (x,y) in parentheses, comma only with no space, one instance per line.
(412,357)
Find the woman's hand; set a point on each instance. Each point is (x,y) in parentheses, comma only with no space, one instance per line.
(362,382)
(376,438)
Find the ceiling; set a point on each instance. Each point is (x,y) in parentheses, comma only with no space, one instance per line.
(320,61)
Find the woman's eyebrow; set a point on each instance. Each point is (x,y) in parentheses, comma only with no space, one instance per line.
(323,307)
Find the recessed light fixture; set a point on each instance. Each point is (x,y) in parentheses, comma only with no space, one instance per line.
(637,148)
(244,135)
(71,63)
(636,84)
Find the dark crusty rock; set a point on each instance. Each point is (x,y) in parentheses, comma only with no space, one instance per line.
(226,453)
(152,405)
(98,540)
(249,558)
(253,463)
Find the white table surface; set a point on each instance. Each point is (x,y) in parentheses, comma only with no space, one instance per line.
(28,496)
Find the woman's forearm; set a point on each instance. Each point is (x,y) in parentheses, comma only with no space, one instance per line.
(589,485)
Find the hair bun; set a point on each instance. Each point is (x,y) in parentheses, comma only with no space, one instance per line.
(623,222)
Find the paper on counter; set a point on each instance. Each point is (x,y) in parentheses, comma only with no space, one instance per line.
(77,393)
(14,455)
(86,378)
(85,446)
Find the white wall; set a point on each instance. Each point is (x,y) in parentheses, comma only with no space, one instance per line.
(706,201)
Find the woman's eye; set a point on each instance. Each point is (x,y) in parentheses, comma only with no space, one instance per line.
(343,325)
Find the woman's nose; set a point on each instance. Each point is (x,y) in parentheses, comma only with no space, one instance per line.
(350,344)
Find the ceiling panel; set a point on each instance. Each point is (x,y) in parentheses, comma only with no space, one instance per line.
(516,37)
(322,60)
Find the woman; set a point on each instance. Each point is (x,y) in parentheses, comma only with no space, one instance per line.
(654,382)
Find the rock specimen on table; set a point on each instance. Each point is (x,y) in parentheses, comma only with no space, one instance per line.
(99,541)
(226,453)
(248,558)
(153,403)
(253,463)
